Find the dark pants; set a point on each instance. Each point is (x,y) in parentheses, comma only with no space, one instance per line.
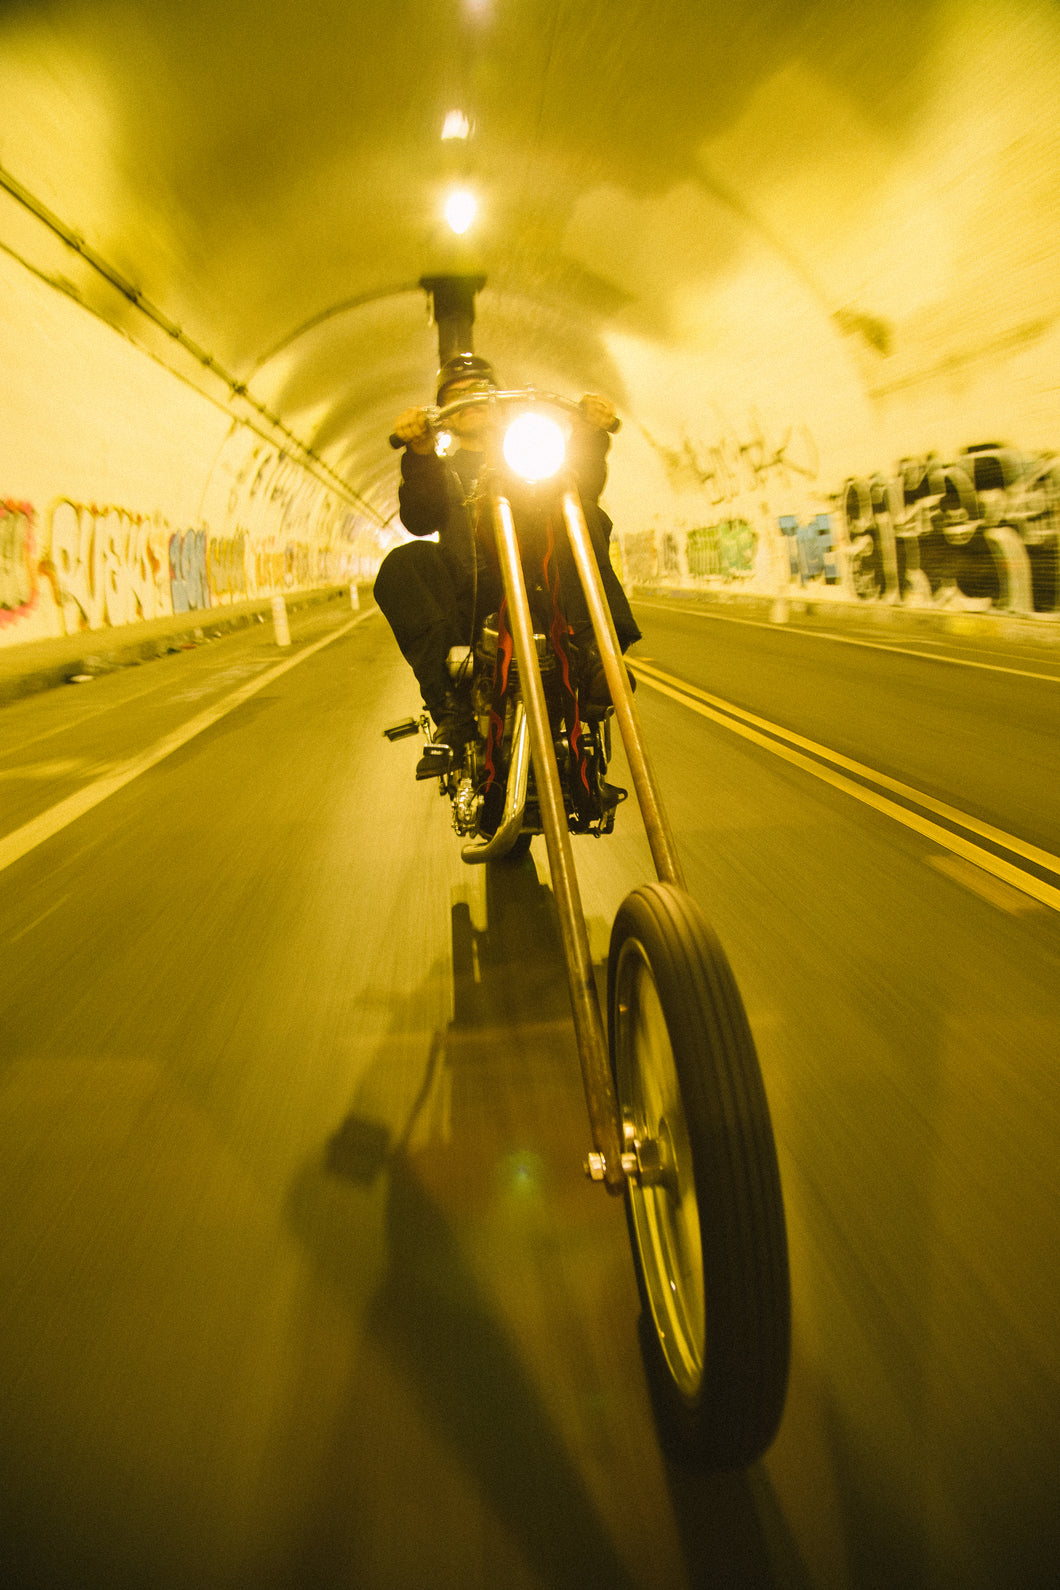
(432,607)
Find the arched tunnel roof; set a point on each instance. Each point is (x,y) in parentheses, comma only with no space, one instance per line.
(820,215)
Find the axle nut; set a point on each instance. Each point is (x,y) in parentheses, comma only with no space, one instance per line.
(595,1166)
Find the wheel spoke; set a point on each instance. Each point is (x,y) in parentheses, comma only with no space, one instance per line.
(666,1212)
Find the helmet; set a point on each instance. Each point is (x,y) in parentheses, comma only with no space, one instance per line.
(464,367)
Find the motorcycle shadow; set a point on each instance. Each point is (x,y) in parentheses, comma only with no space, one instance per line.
(509,994)
(489,1237)
(504,1302)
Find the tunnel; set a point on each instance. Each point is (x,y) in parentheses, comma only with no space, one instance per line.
(301,1280)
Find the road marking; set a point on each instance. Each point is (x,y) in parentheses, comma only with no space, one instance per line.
(849,640)
(37,920)
(793,748)
(1014,901)
(61,767)
(19,843)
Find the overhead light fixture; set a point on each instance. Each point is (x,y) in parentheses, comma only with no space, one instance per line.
(456,125)
(460,208)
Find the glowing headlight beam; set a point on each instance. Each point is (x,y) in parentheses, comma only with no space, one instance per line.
(534,447)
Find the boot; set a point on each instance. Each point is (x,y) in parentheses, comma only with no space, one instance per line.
(454,726)
(594,697)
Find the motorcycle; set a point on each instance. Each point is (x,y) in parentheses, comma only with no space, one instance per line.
(677,1108)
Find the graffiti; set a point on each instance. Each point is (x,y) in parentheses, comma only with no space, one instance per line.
(811,548)
(719,551)
(726,549)
(103,565)
(269,570)
(18,568)
(985,527)
(740,462)
(227,567)
(296,564)
(84,566)
(188,583)
(270,486)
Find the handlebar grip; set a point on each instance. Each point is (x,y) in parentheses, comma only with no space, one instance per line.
(395,441)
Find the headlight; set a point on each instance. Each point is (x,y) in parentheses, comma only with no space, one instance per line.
(534,446)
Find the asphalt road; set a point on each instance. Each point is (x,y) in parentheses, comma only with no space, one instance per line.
(300,1281)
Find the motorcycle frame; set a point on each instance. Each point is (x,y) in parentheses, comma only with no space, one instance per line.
(610,1161)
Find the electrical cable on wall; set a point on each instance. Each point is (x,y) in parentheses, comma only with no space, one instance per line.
(238,389)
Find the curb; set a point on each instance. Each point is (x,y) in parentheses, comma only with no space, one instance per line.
(44,664)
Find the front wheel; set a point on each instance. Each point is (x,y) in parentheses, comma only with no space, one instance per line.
(705,1212)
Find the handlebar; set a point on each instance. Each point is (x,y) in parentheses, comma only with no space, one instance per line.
(436,417)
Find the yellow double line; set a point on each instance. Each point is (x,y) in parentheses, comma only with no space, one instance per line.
(826,765)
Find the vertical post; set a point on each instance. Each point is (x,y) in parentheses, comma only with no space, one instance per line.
(279,621)
(453,305)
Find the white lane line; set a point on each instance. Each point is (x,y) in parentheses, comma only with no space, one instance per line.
(849,640)
(37,920)
(783,743)
(19,843)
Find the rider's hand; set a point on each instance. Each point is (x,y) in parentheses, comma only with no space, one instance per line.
(411,427)
(599,412)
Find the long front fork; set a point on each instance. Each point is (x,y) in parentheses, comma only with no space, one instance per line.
(660,834)
(604,1118)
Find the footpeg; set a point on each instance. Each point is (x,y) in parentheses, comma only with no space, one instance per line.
(402,730)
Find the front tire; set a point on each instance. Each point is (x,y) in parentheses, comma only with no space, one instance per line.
(706,1215)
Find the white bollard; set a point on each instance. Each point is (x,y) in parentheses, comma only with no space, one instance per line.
(355,600)
(279,621)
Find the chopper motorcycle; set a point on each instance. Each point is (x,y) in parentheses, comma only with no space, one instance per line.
(677,1109)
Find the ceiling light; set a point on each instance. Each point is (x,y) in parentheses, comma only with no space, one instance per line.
(456,125)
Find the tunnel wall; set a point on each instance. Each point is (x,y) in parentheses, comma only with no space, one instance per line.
(859,298)
(126,494)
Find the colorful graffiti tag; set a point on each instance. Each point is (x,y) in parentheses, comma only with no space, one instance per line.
(18,566)
(725,550)
(95,567)
(984,526)
(188,583)
(811,548)
(105,565)
(722,550)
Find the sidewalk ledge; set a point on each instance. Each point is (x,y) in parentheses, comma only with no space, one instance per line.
(43,664)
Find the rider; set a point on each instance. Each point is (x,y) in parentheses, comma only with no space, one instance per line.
(434,594)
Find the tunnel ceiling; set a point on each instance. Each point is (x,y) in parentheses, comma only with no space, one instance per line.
(662,183)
